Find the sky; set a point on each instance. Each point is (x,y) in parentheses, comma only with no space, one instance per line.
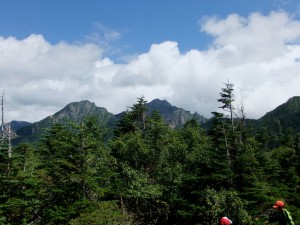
(111,53)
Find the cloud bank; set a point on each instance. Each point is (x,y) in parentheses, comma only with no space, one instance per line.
(260,54)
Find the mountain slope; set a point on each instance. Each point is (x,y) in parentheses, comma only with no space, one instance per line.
(175,117)
(278,120)
(282,117)
(73,112)
(77,111)
(16,125)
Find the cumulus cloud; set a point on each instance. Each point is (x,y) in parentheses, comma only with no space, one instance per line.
(259,54)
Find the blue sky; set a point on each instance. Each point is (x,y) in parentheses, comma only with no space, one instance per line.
(64,51)
(139,23)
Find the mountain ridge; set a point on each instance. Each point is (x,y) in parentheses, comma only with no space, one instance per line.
(283,116)
(77,111)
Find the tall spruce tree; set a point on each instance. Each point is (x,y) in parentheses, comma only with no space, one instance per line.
(223,133)
(227,99)
(137,152)
(195,174)
(75,171)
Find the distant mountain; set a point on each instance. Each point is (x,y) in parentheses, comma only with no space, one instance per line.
(73,112)
(282,117)
(16,125)
(175,117)
(77,111)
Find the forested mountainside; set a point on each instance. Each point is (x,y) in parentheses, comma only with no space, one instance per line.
(283,118)
(150,173)
(73,112)
(77,111)
(16,125)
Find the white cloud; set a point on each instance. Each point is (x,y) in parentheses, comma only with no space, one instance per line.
(259,54)
(255,38)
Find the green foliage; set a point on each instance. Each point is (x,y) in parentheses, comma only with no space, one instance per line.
(75,170)
(133,119)
(227,97)
(219,133)
(283,117)
(247,166)
(103,214)
(149,173)
(215,204)
(19,187)
(139,192)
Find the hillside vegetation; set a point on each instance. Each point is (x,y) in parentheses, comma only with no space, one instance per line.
(142,171)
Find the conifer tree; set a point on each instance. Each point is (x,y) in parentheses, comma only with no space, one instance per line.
(227,99)
(223,132)
(19,187)
(133,119)
(137,152)
(75,171)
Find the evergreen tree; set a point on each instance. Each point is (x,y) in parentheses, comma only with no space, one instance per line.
(195,174)
(224,135)
(75,171)
(155,138)
(227,99)
(19,187)
(133,119)
(138,155)
(250,179)
(218,133)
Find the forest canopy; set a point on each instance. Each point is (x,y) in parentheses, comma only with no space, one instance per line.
(144,172)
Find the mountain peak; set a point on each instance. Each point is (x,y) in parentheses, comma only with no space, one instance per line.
(293,104)
(175,117)
(290,107)
(159,101)
(83,103)
(77,111)
(162,106)
(287,115)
